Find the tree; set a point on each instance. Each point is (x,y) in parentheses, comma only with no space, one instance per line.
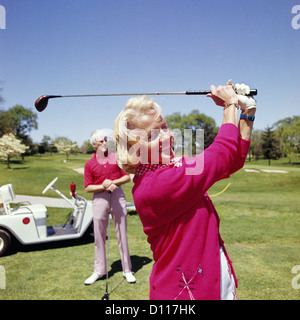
(6,123)
(87,147)
(24,120)
(194,121)
(44,145)
(1,98)
(256,145)
(10,147)
(20,121)
(288,131)
(269,144)
(66,146)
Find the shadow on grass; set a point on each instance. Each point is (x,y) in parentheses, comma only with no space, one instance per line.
(18,247)
(137,261)
(137,264)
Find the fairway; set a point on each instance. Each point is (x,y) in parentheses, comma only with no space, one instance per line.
(260,224)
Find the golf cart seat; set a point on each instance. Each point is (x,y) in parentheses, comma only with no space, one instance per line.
(38,211)
(7,196)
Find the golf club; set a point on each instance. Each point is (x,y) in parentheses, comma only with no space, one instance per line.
(42,102)
(106,295)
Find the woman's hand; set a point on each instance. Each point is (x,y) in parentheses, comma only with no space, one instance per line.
(226,97)
(223,95)
(245,102)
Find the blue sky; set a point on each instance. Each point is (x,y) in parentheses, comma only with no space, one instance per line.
(110,46)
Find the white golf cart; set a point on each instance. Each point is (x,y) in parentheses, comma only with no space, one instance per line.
(28,222)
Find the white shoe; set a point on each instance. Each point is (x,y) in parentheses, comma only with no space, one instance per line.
(93,278)
(130,278)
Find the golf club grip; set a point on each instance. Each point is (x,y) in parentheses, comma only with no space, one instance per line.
(253,92)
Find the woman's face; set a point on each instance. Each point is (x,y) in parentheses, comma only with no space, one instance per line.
(156,145)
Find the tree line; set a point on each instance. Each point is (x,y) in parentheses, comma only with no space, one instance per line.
(16,124)
(282,139)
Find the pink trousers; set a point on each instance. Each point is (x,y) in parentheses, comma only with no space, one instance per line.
(100,218)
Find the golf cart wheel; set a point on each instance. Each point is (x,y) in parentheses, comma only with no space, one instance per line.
(5,240)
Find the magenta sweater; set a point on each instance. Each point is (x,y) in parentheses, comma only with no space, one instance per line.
(181,222)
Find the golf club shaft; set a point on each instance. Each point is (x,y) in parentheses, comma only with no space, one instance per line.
(42,102)
(108,229)
(253,92)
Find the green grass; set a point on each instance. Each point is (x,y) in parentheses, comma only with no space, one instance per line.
(260,225)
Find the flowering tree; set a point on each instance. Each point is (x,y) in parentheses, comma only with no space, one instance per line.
(66,146)
(10,147)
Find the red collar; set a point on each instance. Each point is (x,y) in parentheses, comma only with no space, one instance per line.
(143,168)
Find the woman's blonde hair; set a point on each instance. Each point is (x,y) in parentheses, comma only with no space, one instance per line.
(125,130)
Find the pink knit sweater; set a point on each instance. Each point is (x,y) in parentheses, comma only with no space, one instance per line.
(181,222)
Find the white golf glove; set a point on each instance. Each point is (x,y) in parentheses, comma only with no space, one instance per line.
(245,102)
(242,89)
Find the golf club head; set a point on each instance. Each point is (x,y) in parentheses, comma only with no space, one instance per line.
(42,102)
(105,297)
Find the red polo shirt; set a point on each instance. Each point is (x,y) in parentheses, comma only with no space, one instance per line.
(96,172)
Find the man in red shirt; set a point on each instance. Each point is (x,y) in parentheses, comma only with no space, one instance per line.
(101,176)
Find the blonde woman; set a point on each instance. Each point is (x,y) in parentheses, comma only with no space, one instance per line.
(171,197)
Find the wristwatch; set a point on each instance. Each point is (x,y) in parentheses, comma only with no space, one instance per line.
(244,116)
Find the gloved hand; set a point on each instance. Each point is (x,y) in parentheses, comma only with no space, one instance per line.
(245,102)
(242,89)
